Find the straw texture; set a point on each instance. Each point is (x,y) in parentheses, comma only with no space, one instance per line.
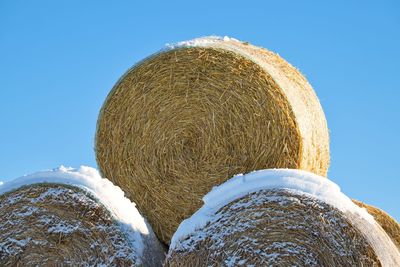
(275,228)
(388,224)
(187,119)
(61,225)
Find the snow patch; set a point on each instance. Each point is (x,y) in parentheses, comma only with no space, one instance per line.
(63,228)
(28,212)
(202,41)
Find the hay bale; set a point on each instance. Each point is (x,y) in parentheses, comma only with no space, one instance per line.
(386,221)
(280,218)
(74,218)
(188,118)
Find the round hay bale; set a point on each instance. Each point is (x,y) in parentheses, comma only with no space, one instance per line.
(191,116)
(386,221)
(72,218)
(280,218)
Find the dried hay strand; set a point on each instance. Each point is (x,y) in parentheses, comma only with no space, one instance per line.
(189,117)
(53,224)
(278,224)
(386,221)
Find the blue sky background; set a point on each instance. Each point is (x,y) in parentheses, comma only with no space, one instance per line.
(59,59)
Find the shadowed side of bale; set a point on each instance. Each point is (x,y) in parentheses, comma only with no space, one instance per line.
(187,119)
(388,224)
(304,102)
(54,225)
(275,228)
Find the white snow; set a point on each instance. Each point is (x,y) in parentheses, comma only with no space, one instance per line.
(21,243)
(28,212)
(63,228)
(89,179)
(202,41)
(300,182)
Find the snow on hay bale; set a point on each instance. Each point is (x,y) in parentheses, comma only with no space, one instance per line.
(72,217)
(193,115)
(280,218)
(388,224)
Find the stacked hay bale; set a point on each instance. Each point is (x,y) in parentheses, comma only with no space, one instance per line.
(174,126)
(75,218)
(188,118)
(280,218)
(388,224)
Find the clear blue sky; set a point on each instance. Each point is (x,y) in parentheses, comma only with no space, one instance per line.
(59,59)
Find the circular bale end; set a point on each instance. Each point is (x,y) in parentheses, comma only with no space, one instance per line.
(292,219)
(386,221)
(191,116)
(69,223)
